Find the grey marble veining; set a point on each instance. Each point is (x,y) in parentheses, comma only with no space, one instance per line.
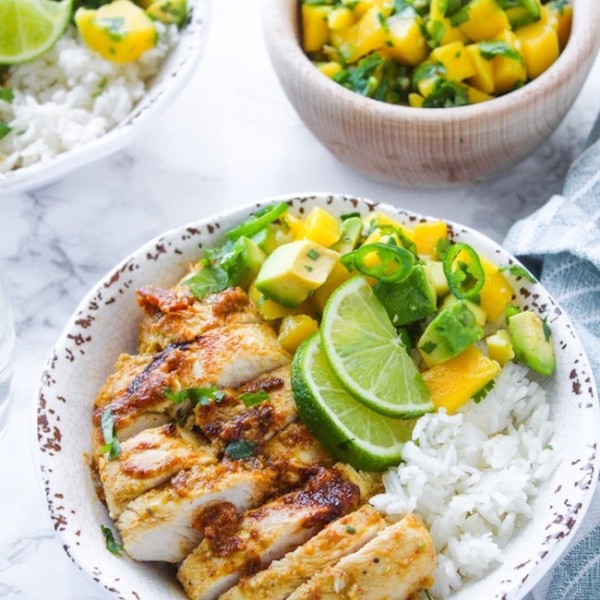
(231,137)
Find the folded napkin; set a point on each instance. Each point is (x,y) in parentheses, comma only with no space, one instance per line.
(560,243)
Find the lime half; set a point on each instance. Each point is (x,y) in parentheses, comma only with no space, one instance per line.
(28,28)
(348,429)
(368,356)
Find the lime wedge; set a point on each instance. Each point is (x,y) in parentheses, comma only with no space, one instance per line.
(28,28)
(348,429)
(368,356)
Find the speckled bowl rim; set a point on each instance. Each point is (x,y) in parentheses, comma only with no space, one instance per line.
(564,502)
(172,77)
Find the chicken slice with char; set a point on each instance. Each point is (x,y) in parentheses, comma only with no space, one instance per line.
(175,316)
(166,523)
(265,534)
(230,419)
(338,539)
(398,562)
(224,357)
(147,460)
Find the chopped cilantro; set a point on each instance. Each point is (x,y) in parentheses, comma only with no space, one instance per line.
(4,129)
(441,246)
(7,94)
(101,87)
(484,391)
(308,268)
(519,271)
(548,447)
(492,48)
(111,544)
(111,442)
(404,8)
(351,530)
(196,395)
(462,16)
(436,33)
(240,449)
(427,71)
(114,27)
(446,94)
(383,22)
(254,398)
(313,254)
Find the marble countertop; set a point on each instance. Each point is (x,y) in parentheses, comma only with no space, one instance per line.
(231,137)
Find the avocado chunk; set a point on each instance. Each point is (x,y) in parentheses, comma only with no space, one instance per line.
(435,270)
(295,270)
(243,262)
(451,332)
(265,239)
(479,313)
(410,300)
(531,340)
(351,230)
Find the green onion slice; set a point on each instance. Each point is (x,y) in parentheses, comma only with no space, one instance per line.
(463,271)
(254,223)
(394,266)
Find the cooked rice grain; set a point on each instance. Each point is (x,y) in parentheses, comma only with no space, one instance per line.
(472,476)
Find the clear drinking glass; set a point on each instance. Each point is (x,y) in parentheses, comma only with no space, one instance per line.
(7,347)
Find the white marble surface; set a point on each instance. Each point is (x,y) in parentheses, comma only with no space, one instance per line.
(231,137)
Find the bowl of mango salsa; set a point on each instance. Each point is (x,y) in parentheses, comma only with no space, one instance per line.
(432,92)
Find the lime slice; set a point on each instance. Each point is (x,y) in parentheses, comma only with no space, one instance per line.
(368,356)
(348,429)
(28,28)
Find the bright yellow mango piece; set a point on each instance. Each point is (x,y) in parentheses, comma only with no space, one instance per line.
(499,347)
(294,330)
(315,28)
(415,100)
(330,68)
(293,223)
(381,220)
(484,74)
(120,31)
(486,20)
(456,60)
(452,383)
(475,96)
(508,72)
(340,18)
(270,310)
(427,235)
(438,20)
(362,6)
(406,42)
(320,227)
(339,274)
(370,33)
(496,293)
(539,46)
(168,11)
(560,19)
(426,85)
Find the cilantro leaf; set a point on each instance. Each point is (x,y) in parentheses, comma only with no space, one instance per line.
(446,94)
(111,442)
(210,278)
(7,94)
(313,254)
(111,544)
(436,33)
(240,449)
(492,48)
(196,395)
(519,271)
(254,398)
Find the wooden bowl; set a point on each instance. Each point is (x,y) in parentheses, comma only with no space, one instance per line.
(430,146)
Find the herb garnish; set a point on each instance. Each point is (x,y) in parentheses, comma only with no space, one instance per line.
(197,395)
(7,94)
(111,544)
(240,449)
(484,391)
(111,442)
(351,530)
(4,129)
(491,48)
(313,254)
(519,271)
(254,398)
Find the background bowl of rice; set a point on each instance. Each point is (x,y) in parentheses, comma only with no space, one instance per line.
(533,490)
(75,107)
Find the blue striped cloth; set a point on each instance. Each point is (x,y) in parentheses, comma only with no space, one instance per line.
(560,243)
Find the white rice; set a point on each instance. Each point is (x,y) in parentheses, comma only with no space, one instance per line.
(71,95)
(472,476)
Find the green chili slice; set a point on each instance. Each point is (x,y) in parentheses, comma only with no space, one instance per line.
(259,220)
(394,266)
(465,277)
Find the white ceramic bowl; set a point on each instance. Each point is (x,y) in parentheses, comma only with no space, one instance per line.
(174,74)
(105,324)
(430,146)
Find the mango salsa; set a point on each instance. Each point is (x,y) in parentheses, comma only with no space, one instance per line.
(434,54)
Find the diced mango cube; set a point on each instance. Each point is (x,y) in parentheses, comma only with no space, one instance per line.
(452,383)
(340,18)
(415,100)
(484,75)
(294,330)
(315,28)
(438,20)
(293,223)
(560,18)
(486,20)
(370,33)
(330,68)
(360,7)
(539,46)
(406,42)
(499,346)
(320,227)
(475,96)
(339,274)
(455,59)
(495,295)
(427,235)
(120,31)
(426,85)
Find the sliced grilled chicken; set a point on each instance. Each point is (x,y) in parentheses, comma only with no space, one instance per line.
(224,357)
(338,539)
(265,534)
(167,523)
(398,562)
(232,419)
(175,316)
(147,460)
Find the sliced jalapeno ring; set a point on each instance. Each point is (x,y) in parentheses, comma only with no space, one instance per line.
(259,220)
(465,277)
(395,262)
